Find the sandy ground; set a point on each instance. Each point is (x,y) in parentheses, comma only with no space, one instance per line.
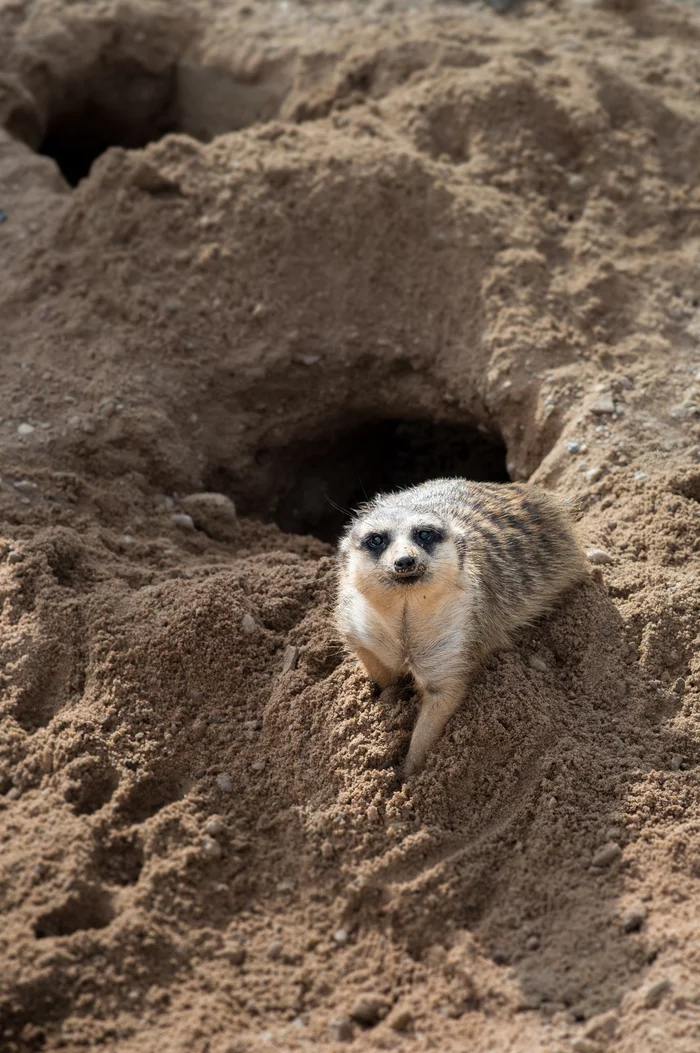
(378,242)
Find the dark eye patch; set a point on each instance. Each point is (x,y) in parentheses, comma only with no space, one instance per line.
(427,536)
(375,542)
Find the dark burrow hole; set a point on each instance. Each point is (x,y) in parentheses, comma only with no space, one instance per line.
(306,487)
(88,908)
(121,102)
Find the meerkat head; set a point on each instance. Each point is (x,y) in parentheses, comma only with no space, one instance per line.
(393,547)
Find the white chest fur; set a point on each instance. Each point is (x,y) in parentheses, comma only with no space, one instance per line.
(422,632)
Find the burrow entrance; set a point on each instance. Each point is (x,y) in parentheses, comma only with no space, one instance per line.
(120,100)
(308,487)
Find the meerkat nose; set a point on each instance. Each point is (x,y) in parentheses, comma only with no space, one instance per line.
(405,563)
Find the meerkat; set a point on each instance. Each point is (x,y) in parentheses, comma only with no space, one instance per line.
(435,578)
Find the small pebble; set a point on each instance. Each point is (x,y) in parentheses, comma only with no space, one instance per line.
(640,476)
(291,656)
(634,919)
(532,943)
(340,936)
(602,1026)
(26,429)
(598,556)
(225,783)
(573,447)
(536,663)
(593,475)
(274,951)
(213,513)
(182,520)
(676,762)
(604,404)
(258,765)
(15,557)
(211,849)
(248,623)
(214,826)
(12,794)
(401,1019)
(654,993)
(341,1030)
(678,686)
(606,855)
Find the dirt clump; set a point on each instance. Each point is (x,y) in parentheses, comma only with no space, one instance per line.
(259,260)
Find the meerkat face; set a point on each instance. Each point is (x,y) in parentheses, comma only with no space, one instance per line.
(401,551)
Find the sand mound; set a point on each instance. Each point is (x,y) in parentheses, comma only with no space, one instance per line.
(259,261)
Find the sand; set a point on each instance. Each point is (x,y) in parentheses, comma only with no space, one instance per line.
(324,248)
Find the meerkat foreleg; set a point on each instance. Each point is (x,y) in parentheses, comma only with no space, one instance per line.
(375,668)
(439,701)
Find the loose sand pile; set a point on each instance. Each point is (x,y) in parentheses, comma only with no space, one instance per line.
(452,241)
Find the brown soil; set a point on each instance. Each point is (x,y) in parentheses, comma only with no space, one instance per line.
(427,239)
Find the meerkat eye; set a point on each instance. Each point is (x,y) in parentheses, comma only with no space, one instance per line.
(375,541)
(425,535)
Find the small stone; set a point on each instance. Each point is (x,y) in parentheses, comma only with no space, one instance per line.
(224,782)
(573,447)
(15,557)
(215,826)
(291,656)
(400,1019)
(602,1026)
(369,1009)
(634,919)
(258,765)
(26,486)
(604,404)
(678,686)
(26,429)
(340,936)
(341,1030)
(606,855)
(655,992)
(214,514)
(676,762)
(625,383)
(12,794)
(598,556)
(499,957)
(640,477)
(536,663)
(211,849)
(592,475)
(532,943)
(182,520)
(248,623)
(274,951)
